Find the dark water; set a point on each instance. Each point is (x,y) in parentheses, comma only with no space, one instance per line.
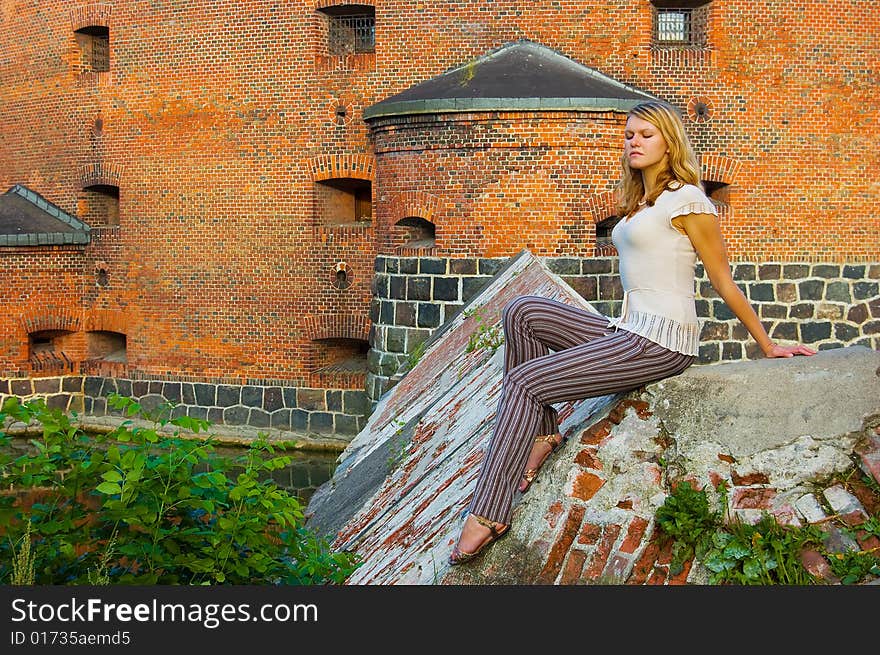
(307,470)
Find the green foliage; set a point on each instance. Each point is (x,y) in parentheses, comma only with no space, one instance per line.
(413,358)
(855,566)
(141,506)
(489,337)
(22,560)
(765,553)
(686,517)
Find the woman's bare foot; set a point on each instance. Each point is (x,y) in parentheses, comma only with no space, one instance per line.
(541,449)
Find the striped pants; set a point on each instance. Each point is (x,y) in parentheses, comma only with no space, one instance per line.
(556,353)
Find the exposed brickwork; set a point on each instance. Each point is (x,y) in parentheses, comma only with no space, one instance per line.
(216,144)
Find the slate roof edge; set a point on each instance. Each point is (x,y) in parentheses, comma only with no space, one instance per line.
(453,105)
(45,239)
(53,210)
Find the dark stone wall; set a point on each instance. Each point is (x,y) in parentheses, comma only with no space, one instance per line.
(340,412)
(823,305)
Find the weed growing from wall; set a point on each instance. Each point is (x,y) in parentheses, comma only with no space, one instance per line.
(488,337)
(763,553)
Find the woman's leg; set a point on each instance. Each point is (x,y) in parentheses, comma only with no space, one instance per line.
(535,326)
(618,362)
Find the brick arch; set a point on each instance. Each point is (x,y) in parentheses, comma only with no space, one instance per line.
(106,320)
(323,4)
(39,320)
(90,15)
(602,205)
(328,167)
(414,203)
(336,326)
(718,168)
(99,173)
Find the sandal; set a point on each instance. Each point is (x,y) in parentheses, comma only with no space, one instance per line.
(530,474)
(459,556)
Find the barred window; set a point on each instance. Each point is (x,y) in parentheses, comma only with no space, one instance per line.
(681,23)
(94,44)
(351,29)
(674,25)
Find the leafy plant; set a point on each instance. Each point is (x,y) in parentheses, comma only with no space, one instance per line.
(144,505)
(765,553)
(856,565)
(22,560)
(686,517)
(489,337)
(734,552)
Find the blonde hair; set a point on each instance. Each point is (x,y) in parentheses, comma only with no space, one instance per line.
(683,166)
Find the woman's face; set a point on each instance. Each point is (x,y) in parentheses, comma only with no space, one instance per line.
(644,146)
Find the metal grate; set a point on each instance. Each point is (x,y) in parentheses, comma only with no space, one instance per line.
(100,55)
(674,26)
(352,34)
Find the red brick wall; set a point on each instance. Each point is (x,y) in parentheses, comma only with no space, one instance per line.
(42,287)
(213,114)
(521,180)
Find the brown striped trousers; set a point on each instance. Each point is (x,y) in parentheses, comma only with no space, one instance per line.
(556,353)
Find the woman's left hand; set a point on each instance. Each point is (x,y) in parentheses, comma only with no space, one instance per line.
(775,350)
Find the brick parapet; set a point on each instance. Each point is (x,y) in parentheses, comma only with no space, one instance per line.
(622,544)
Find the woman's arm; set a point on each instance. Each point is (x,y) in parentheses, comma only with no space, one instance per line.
(705,234)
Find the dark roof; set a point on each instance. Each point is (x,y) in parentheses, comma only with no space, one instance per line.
(522,75)
(28,219)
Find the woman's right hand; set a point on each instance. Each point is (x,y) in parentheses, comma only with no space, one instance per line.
(775,350)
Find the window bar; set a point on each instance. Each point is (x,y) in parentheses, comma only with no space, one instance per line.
(352,34)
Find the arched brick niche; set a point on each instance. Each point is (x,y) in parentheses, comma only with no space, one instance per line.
(602,208)
(413,218)
(91,31)
(98,198)
(339,347)
(342,196)
(53,343)
(718,173)
(336,326)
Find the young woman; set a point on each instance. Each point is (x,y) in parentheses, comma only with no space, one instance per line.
(556,353)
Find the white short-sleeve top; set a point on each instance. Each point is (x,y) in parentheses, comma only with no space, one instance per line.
(657,264)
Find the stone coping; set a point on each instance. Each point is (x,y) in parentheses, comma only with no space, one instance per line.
(236,435)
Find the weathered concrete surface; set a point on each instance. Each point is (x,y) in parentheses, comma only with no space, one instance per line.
(774,431)
(751,406)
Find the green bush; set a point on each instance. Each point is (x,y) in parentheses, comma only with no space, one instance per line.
(144,505)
